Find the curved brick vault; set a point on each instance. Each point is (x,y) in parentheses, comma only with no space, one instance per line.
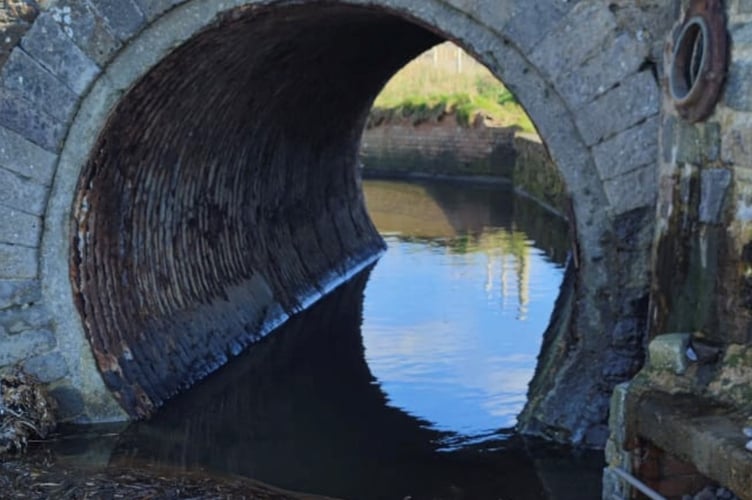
(178,177)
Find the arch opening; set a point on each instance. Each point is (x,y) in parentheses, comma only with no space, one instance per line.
(446,154)
(222,194)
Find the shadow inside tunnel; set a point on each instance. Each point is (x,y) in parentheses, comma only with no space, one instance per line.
(302,411)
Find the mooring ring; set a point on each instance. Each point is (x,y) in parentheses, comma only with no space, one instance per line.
(698,61)
(690,58)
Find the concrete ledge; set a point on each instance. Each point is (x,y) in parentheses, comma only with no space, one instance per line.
(668,353)
(702,433)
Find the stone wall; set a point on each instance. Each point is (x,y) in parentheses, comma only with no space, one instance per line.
(438,147)
(703,254)
(445,148)
(699,370)
(536,175)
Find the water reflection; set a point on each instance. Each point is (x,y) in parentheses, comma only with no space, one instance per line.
(455,310)
(462,215)
(303,410)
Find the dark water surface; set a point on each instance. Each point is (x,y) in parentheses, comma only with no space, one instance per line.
(403,383)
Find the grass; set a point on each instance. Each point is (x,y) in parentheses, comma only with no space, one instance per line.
(445,80)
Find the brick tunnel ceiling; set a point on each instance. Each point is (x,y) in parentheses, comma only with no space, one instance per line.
(224,183)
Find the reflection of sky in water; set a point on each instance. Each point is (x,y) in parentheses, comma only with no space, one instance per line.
(453,338)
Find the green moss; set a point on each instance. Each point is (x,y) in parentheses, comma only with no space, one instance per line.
(426,91)
(734,360)
(738,356)
(465,107)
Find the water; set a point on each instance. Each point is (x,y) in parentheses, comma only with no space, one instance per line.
(455,310)
(403,383)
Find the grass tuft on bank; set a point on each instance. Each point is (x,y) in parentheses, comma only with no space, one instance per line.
(445,81)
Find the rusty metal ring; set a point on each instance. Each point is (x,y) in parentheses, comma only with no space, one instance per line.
(689,60)
(698,60)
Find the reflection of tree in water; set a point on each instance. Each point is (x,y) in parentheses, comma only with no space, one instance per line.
(508,250)
(302,410)
(470,219)
(456,212)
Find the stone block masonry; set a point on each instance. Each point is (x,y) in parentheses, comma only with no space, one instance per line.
(439,148)
(694,407)
(446,149)
(27,331)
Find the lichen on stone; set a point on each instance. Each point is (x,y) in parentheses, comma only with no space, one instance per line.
(733,382)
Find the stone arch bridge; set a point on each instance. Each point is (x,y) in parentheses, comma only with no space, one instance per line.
(178,177)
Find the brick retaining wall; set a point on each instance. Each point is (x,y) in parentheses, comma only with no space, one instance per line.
(445,148)
(439,148)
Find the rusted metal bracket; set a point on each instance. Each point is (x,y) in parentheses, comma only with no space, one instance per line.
(698,60)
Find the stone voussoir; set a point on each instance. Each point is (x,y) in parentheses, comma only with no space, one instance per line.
(28,79)
(532,22)
(154,8)
(57,52)
(19,228)
(584,82)
(581,34)
(25,158)
(25,318)
(628,150)
(87,28)
(34,124)
(47,367)
(22,194)
(124,17)
(635,100)
(635,189)
(18,262)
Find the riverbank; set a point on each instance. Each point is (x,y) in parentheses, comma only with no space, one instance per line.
(444,115)
(41,475)
(481,151)
(446,80)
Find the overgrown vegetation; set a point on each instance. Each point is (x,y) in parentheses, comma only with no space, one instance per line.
(445,81)
(26,412)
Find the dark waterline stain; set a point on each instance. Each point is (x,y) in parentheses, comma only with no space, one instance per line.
(303,410)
